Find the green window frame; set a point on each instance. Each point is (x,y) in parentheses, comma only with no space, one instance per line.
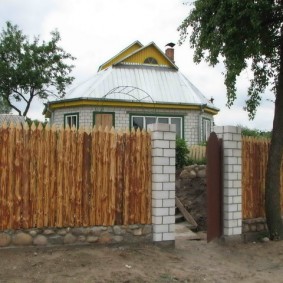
(96,113)
(141,121)
(72,119)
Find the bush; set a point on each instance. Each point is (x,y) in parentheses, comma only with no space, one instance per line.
(182,153)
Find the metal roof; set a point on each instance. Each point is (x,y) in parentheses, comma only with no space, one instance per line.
(132,82)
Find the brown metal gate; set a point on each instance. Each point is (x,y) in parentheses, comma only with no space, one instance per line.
(214,187)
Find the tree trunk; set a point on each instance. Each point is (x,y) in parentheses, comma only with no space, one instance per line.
(272,184)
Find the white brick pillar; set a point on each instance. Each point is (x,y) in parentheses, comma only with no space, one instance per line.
(232,179)
(163,137)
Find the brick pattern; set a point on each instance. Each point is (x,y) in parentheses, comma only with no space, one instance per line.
(192,119)
(163,181)
(232,176)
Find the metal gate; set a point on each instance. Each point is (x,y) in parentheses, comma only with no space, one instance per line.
(214,187)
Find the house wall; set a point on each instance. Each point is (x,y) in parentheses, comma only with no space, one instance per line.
(192,118)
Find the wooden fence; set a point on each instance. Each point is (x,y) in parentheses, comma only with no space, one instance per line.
(70,178)
(254,164)
(197,152)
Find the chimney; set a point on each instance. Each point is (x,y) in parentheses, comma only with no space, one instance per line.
(169,52)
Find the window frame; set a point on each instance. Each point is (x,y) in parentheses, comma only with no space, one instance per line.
(181,117)
(96,112)
(151,61)
(75,114)
(205,136)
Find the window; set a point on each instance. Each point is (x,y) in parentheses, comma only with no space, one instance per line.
(104,119)
(151,60)
(71,120)
(206,129)
(142,122)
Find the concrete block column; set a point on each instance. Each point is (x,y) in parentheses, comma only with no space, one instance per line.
(163,138)
(232,179)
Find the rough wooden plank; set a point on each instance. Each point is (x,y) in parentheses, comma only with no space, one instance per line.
(149,178)
(86,178)
(79,178)
(112,177)
(186,214)
(127,171)
(18,178)
(119,195)
(4,176)
(11,177)
(26,177)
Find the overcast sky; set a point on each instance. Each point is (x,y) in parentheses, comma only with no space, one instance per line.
(95,30)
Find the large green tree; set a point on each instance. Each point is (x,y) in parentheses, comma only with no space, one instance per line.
(4,107)
(246,34)
(30,69)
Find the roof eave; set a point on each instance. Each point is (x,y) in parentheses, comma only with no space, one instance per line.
(83,101)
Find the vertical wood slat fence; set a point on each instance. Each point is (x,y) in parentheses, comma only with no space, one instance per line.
(70,178)
(254,164)
(197,152)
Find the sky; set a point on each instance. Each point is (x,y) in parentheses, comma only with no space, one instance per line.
(93,31)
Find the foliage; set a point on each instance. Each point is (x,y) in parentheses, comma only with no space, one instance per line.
(182,153)
(202,161)
(255,133)
(36,122)
(31,69)
(4,107)
(246,34)
(240,32)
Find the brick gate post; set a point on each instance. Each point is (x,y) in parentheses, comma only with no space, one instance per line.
(163,137)
(232,180)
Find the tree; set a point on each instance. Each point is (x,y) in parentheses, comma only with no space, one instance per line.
(246,34)
(31,69)
(4,107)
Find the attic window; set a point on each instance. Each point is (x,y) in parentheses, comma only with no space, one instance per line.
(150,60)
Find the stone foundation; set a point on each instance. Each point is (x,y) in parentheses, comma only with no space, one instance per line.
(81,235)
(254,225)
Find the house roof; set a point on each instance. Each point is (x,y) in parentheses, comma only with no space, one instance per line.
(127,78)
(122,54)
(141,84)
(151,50)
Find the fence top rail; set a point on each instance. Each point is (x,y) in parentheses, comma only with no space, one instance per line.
(81,129)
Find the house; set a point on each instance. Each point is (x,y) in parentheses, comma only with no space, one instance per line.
(138,86)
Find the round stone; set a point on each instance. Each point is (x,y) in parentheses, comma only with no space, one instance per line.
(22,239)
(33,233)
(137,232)
(5,240)
(118,230)
(69,239)
(92,239)
(201,173)
(40,240)
(48,232)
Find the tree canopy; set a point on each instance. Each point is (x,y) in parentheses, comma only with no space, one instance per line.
(4,107)
(246,34)
(242,33)
(30,69)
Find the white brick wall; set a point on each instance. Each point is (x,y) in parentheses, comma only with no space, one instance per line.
(232,174)
(163,184)
(192,118)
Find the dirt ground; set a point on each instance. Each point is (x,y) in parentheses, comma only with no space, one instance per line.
(189,261)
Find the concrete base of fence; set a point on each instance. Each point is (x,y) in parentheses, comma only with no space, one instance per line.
(80,235)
